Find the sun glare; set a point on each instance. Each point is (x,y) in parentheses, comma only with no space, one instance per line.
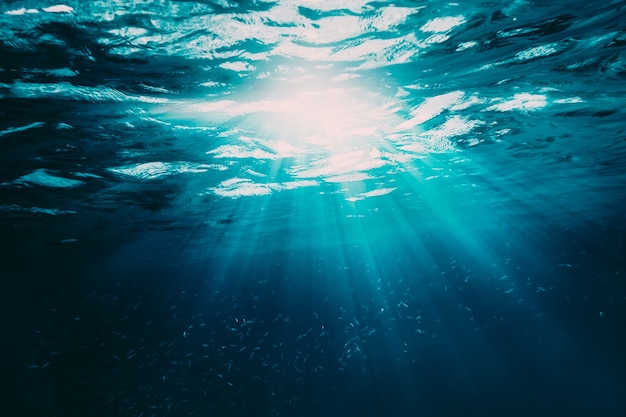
(309,109)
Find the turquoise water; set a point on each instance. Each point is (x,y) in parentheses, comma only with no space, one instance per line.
(313,208)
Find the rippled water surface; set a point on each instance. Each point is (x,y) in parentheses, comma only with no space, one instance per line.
(313,208)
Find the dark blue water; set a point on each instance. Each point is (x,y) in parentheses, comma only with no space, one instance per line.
(315,208)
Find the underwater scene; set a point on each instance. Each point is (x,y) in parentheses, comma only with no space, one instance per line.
(313,208)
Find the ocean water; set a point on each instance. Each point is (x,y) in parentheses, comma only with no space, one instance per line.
(313,208)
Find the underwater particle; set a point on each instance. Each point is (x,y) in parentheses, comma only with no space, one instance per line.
(69,240)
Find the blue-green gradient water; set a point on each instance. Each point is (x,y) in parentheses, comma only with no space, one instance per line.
(312,208)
